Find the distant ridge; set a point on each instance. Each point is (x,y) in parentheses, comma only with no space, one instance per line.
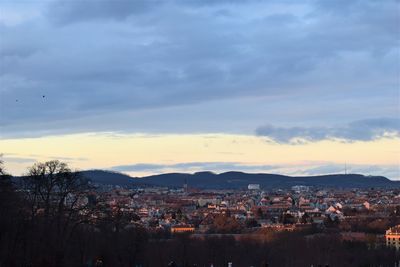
(237,180)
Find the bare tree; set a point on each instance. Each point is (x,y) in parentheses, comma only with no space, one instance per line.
(54,189)
(2,170)
(57,200)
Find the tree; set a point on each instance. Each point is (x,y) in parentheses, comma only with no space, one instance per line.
(11,218)
(286,218)
(259,214)
(5,180)
(2,171)
(305,218)
(224,224)
(54,188)
(57,203)
(250,223)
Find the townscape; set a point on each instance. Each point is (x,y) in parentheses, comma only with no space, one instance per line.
(56,217)
(369,211)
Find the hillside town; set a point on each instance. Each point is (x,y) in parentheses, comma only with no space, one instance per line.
(362,215)
(66,217)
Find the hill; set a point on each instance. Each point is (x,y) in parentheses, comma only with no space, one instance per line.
(108,177)
(236,180)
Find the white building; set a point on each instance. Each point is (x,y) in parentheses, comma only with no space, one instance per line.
(253,187)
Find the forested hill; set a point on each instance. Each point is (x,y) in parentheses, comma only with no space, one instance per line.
(237,180)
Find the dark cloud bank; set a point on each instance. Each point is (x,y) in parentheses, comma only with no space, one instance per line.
(362,130)
(113,60)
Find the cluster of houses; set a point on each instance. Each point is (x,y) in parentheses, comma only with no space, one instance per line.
(183,210)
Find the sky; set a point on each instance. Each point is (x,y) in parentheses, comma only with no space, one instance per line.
(145,87)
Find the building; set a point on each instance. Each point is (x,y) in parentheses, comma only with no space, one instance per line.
(393,237)
(300,189)
(182,229)
(253,187)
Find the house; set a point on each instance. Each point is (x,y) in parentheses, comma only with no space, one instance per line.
(393,237)
(182,229)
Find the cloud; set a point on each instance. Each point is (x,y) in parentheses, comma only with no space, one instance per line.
(8,159)
(191,167)
(115,60)
(361,130)
(66,11)
(31,158)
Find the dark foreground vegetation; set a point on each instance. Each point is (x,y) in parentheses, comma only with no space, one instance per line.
(49,218)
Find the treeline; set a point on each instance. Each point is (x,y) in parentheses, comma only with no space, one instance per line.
(53,217)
